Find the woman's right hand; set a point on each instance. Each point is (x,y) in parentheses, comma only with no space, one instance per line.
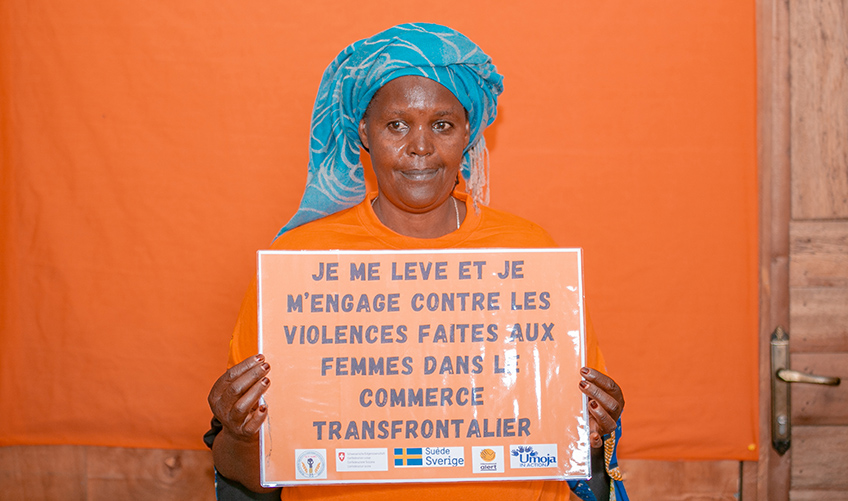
(235,398)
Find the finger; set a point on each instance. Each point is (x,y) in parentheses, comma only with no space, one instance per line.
(236,418)
(606,424)
(241,396)
(235,372)
(599,396)
(229,395)
(595,440)
(248,402)
(604,382)
(254,422)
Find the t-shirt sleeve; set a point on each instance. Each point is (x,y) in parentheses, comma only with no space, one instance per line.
(244,341)
(594,357)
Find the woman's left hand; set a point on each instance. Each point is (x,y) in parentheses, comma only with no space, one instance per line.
(606,402)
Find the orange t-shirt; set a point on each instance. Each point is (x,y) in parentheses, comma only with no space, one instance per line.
(359,228)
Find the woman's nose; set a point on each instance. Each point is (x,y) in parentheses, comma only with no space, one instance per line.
(420,143)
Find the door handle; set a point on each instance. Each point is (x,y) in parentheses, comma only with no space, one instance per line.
(791,376)
(781,402)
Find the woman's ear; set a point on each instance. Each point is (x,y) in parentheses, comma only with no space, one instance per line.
(467,132)
(363,136)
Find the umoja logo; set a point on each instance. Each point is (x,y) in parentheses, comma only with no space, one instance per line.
(531,458)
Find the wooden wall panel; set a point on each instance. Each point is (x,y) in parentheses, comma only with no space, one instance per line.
(818,404)
(45,473)
(819,458)
(819,318)
(819,97)
(819,253)
(748,483)
(66,472)
(149,474)
(819,495)
(677,480)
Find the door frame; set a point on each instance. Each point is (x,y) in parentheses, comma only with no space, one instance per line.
(770,478)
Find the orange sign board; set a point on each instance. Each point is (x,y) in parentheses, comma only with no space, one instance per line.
(413,366)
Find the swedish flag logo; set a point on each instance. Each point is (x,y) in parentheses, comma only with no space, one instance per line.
(408,456)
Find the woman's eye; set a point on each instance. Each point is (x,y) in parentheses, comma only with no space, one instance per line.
(442,126)
(396,125)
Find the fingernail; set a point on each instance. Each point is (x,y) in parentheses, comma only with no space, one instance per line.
(265,366)
(584,371)
(265,381)
(259,357)
(584,384)
(593,404)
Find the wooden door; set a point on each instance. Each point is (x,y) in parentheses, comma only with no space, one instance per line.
(803,51)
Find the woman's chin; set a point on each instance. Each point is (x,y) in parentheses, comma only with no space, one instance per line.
(421,203)
(421,196)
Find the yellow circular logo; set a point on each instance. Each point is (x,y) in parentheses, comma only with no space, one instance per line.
(487,454)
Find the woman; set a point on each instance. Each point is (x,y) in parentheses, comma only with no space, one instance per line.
(417,98)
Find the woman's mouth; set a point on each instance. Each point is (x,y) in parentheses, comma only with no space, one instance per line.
(419,174)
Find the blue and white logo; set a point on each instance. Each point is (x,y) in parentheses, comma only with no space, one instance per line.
(533,456)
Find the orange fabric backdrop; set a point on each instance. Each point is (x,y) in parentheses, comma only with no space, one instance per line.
(148,149)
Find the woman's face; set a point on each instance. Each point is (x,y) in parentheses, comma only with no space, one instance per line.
(415,131)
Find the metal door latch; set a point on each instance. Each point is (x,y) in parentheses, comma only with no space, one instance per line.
(781,402)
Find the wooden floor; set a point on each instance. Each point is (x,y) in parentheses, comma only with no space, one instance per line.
(82,473)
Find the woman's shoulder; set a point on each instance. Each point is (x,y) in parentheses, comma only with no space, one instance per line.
(504,229)
(335,231)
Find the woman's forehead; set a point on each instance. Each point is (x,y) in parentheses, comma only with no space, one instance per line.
(413,92)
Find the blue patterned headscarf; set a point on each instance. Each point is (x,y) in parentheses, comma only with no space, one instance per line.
(335,180)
